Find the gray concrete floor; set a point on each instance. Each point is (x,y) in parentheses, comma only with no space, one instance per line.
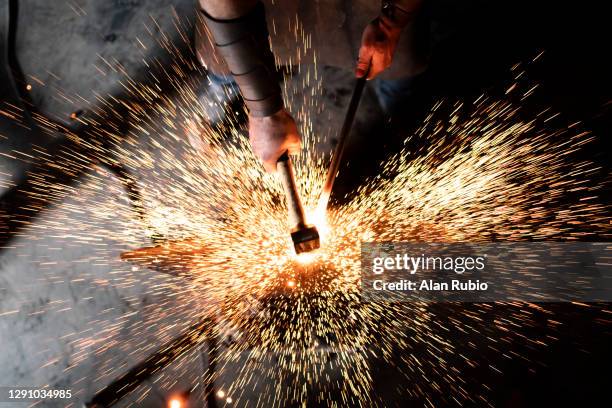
(65,321)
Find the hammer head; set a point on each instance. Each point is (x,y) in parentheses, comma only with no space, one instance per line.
(305,239)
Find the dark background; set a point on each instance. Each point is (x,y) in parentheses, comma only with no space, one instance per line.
(472,47)
(474,44)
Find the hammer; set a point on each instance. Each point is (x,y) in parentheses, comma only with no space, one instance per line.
(305,238)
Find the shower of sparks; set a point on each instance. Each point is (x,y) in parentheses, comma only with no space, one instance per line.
(295,325)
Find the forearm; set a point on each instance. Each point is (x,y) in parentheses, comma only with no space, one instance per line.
(243,41)
(398,13)
(227,9)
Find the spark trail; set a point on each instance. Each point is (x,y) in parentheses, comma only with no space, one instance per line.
(299,330)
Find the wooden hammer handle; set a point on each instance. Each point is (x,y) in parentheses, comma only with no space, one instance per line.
(284,168)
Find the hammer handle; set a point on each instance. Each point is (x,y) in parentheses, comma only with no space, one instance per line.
(284,168)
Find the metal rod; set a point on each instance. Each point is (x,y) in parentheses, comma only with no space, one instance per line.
(156,362)
(344,132)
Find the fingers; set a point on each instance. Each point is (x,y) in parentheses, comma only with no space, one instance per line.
(363,63)
(270,160)
(381,60)
(293,141)
(376,53)
(268,154)
(294,147)
(272,136)
(266,151)
(270,165)
(367,50)
(379,64)
(292,144)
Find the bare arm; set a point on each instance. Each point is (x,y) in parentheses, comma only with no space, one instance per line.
(227,9)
